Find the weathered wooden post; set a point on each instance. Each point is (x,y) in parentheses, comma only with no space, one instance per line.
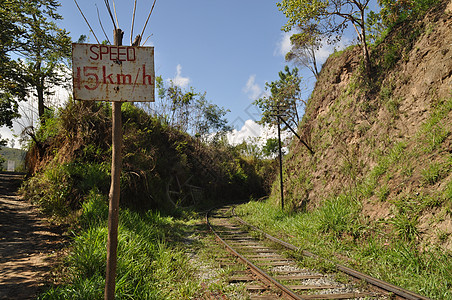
(115,190)
(118,74)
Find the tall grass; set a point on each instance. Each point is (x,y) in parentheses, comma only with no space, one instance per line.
(327,230)
(148,268)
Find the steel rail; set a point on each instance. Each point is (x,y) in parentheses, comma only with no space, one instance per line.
(374,281)
(255,269)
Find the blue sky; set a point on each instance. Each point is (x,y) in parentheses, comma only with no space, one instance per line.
(228,49)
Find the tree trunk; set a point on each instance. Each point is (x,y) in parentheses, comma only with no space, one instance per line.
(314,63)
(40,92)
(367,61)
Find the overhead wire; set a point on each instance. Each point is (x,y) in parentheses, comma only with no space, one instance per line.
(107,4)
(133,20)
(81,12)
(145,24)
(101,26)
(116,17)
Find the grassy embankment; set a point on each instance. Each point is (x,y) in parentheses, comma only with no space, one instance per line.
(70,161)
(377,193)
(149,266)
(388,249)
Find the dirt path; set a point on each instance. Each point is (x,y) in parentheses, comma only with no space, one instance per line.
(27,243)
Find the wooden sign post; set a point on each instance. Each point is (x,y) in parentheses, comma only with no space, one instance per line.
(114,73)
(115,191)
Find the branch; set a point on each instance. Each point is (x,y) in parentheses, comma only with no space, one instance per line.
(100,22)
(133,20)
(116,17)
(145,24)
(86,21)
(107,4)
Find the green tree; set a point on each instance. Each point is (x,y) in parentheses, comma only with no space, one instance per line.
(28,31)
(46,48)
(285,94)
(12,89)
(271,147)
(330,17)
(210,119)
(303,50)
(395,11)
(189,111)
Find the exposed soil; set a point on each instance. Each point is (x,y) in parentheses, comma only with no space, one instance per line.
(28,243)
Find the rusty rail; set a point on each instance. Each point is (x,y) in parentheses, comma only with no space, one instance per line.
(374,281)
(255,269)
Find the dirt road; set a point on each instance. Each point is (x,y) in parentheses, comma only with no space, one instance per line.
(27,243)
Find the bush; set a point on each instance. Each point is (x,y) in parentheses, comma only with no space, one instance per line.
(338,214)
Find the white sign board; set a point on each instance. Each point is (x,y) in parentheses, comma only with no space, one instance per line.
(113,73)
(11,166)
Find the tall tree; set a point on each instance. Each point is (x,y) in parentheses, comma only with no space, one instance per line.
(12,89)
(28,31)
(210,119)
(285,95)
(330,16)
(303,52)
(46,49)
(189,110)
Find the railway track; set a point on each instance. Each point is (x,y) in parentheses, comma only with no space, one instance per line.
(270,273)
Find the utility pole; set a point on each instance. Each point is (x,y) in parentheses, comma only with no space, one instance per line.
(280,162)
(115,190)
(278,115)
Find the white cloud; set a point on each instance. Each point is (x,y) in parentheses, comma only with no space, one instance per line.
(255,133)
(326,49)
(249,130)
(252,89)
(284,45)
(178,80)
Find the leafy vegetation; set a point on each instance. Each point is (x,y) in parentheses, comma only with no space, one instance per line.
(72,154)
(335,232)
(327,19)
(375,195)
(30,31)
(148,267)
(16,155)
(70,158)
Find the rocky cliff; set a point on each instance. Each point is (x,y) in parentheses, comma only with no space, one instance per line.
(383,141)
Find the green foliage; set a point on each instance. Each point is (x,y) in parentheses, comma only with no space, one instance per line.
(394,11)
(329,18)
(433,173)
(374,26)
(338,214)
(271,147)
(383,193)
(448,192)
(385,161)
(376,252)
(60,188)
(303,51)
(45,46)
(148,268)
(433,133)
(284,95)
(405,226)
(189,111)
(75,145)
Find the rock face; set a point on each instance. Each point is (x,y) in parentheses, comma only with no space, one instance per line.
(384,141)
